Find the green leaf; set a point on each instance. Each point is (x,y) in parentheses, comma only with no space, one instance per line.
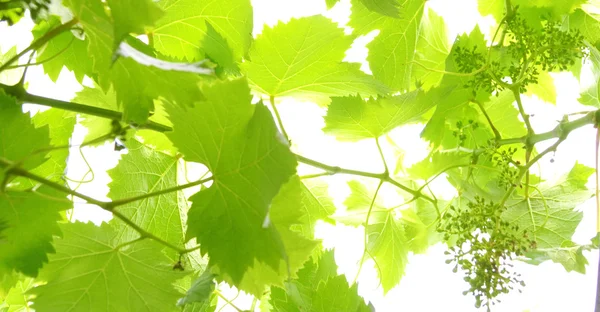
(392,52)
(65,49)
(494,7)
(141,171)
(183,27)
(353,119)
(304,58)
(591,95)
(17,298)
(431,50)
(91,273)
(132,16)
(249,160)
(61,124)
(570,255)
(558,8)
(437,163)
(587,24)
(389,247)
(16,126)
(136,85)
(9,76)
(331,3)
(31,219)
(317,205)
(201,289)
(504,115)
(97,126)
(384,7)
(551,217)
(218,50)
(318,288)
(544,88)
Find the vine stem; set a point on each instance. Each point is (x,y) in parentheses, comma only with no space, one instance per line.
(40,42)
(108,206)
(228,301)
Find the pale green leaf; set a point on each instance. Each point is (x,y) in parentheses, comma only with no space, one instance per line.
(17,299)
(218,50)
(65,49)
(384,7)
(392,52)
(569,255)
(200,291)
(132,16)
(249,161)
(494,7)
(31,219)
(141,171)
(431,51)
(557,7)
(544,88)
(551,218)
(353,119)
(504,115)
(89,273)
(304,58)
(591,95)
(136,85)
(389,246)
(318,288)
(181,30)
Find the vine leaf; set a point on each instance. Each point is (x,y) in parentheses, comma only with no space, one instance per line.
(96,97)
(591,95)
(15,127)
(218,50)
(557,7)
(17,299)
(569,255)
(65,49)
(201,289)
(552,218)
(126,22)
(141,171)
(587,24)
(431,50)
(31,219)
(88,273)
(318,288)
(136,85)
(392,52)
(544,88)
(504,115)
(494,7)
(184,26)
(353,119)
(304,58)
(240,145)
(389,8)
(287,211)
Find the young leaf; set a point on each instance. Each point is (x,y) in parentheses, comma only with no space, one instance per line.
(239,143)
(353,119)
(431,51)
(392,52)
(65,49)
(304,58)
(201,289)
(91,273)
(183,27)
(384,7)
(126,21)
(318,288)
(551,217)
(570,255)
(218,50)
(143,171)
(31,220)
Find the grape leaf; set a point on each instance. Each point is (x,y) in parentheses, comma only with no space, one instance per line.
(569,254)
(304,58)
(318,288)
(126,21)
(551,217)
(241,146)
(143,171)
(91,273)
(392,52)
(318,205)
(353,119)
(136,85)
(437,163)
(288,210)
(494,7)
(587,24)
(15,126)
(591,95)
(431,50)
(384,7)
(503,115)
(97,126)
(31,219)
(65,49)
(183,27)
(218,50)
(201,289)
(331,3)
(17,298)
(389,247)
(544,88)
(557,7)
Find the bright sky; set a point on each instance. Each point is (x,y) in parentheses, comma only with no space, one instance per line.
(429,284)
